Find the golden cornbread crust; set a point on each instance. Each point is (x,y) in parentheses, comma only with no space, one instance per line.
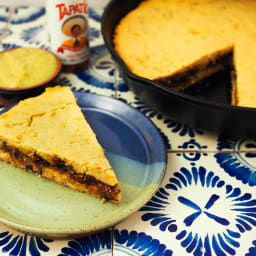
(173,41)
(49,135)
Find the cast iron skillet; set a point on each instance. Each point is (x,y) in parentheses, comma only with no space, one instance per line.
(206,108)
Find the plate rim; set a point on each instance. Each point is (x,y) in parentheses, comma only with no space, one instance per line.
(81,231)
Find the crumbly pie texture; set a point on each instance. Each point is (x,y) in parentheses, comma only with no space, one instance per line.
(179,42)
(49,135)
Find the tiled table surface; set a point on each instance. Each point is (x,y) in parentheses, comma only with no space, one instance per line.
(206,204)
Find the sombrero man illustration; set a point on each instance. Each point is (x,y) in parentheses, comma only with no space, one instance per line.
(76,28)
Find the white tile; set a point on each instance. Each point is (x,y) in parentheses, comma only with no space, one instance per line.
(15,243)
(197,208)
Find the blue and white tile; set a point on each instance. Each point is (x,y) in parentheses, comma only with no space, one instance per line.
(252,249)
(14,243)
(5,12)
(100,75)
(98,78)
(83,86)
(242,144)
(132,242)
(27,28)
(24,15)
(241,163)
(240,166)
(97,244)
(95,26)
(198,210)
(34,35)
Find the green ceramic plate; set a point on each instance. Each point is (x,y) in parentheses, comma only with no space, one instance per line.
(137,153)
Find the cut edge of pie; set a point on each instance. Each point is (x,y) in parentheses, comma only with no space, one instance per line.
(200,69)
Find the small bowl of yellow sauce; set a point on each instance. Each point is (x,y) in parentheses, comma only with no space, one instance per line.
(23,70)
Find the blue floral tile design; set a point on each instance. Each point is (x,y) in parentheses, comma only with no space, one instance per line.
(227,212)
(6,46)
(4,14)
(252,250)
(122,86)
(90,245)
(11,244)
(34,36)
(145,109)
(182,129)
(134,243)
(192,145)
(26,14)
(9,46)
(95,15)
(241,166)
(242,144)
(64,81)
(193,151)
(238,165)
(94,33)
(101,72)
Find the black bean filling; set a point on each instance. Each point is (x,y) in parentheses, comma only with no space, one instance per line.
(104,190)
(183,79)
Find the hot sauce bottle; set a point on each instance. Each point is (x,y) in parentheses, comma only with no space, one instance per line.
(69,32)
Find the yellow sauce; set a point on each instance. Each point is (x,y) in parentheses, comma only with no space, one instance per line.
(26,67)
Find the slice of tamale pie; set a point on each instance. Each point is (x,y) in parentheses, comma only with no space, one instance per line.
(50,136)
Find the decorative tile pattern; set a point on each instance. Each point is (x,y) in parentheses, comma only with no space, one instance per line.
(5,14)
(206,204)
(133,243)
(26,14)
(19,244)
(101,242)
(252,250)
(198,210)
(101,73)
(239,165)
(15,243)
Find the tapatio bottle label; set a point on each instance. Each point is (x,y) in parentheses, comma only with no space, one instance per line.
(69,30)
